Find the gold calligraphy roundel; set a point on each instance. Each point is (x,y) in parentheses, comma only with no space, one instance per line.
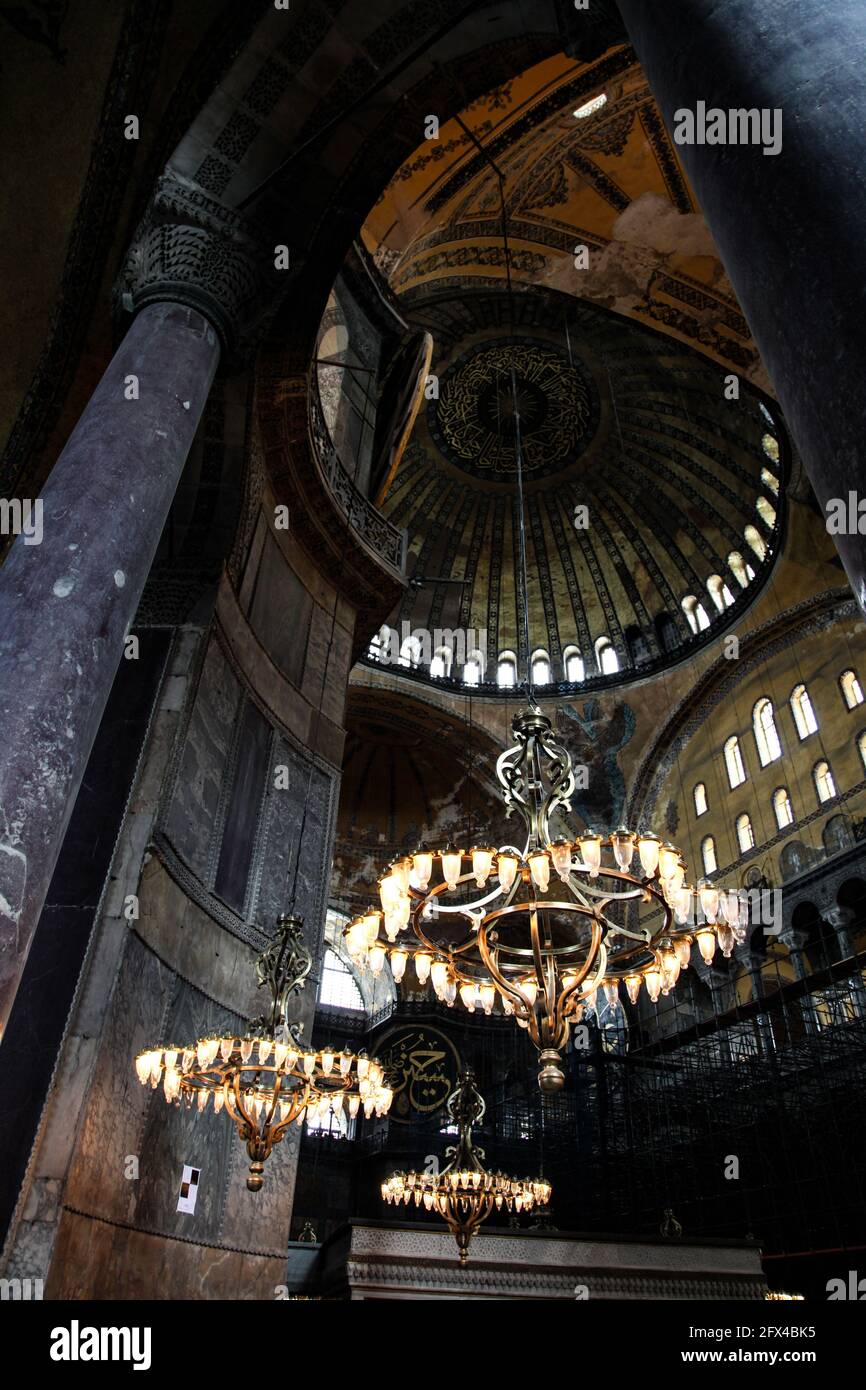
(473,420)
(421,1067)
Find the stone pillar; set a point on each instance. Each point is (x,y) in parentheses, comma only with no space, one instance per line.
(790,227)
(795,941)
(66,604)
(197,280)
(841,919)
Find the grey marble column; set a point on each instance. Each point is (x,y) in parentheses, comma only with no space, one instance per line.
(66,603)
(790,227)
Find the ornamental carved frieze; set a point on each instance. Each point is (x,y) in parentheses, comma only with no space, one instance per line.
(191,249)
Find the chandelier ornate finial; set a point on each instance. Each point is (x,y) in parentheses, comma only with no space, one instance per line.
(557,919)
(465,1193)
(267,1079)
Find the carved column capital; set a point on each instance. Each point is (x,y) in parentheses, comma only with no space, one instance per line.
(191,249)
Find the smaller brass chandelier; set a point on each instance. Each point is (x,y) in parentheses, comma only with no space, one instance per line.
(465,1193)
(268,1079)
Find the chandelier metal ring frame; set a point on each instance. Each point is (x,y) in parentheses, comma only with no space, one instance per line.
(551,973)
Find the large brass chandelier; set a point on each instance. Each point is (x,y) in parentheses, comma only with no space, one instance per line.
(539,929)
(267,1079)
(464,1193)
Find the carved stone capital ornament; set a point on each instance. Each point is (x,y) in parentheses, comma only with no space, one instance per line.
(193,250)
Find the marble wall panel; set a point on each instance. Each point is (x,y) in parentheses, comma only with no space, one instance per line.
(193,813)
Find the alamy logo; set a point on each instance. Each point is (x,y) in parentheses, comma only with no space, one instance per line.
(419,646)
(77,1343)
(854,1289)
(736,126)
(21,517)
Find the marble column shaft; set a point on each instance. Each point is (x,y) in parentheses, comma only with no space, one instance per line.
(790,227)
(67,603)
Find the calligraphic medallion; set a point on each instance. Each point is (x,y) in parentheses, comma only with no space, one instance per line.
(473,420)
(421,1068)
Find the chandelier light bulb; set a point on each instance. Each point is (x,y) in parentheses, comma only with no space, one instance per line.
(529,990)
(487,997)
(450,992)
(376,959)
(539,866)
(706,939)
(623,848)
(390,889)
(398,965)
(653,982)
(727,940)
(590,850)
(668,860)
(423,963)
(328,1057)
(709,897)
(467,997)
(506,869)
(683,949)
(401,869)
(632,987)
(648,847)
(611,991)
(452,862)
(482,863)
(422,863)
(560,853)
(439,975)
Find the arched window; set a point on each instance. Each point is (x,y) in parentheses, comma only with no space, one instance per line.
(861,745)
(782,808)
(804,714)
(473,668)
(739,569)
(770,480)
(506,670)
(719,592)
(766,736)
(410,652)
(708,854)
(441,663)
(338,988)
(755,541)
(696,613)
(734,762)
(824,784)
(852,690)
(540,668)
(745,834)
(700,795)
(770,445)
(573,664)
(767,512)
(606,657)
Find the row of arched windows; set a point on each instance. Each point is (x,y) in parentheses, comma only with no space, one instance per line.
(767,741)
(783,810)
(718,590)
(573,664)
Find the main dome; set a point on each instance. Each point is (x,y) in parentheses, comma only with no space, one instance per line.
(653,494)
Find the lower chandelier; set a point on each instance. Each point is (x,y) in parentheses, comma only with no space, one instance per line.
(267,1079)
(542,927)
(465,1193)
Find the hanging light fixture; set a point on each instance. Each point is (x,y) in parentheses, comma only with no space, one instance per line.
(465,1193)
(267,1079)
(556,919)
